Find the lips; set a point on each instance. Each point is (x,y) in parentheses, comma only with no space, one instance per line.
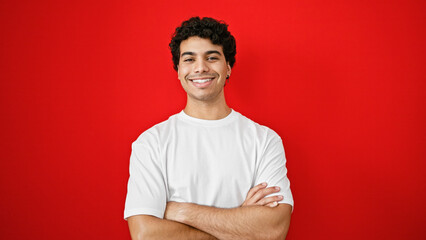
(201,82)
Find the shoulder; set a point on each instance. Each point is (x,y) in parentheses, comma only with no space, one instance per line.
(262,132)
(153,134)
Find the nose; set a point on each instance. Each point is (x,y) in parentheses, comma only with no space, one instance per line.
(201,66)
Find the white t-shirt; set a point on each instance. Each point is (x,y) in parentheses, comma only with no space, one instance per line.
(207,162)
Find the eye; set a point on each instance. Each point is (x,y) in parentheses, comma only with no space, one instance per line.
(188,60)
(212,58)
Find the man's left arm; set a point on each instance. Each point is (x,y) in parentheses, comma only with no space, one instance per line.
(247,222)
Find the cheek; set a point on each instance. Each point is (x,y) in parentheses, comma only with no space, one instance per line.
(181,76)
(182,73)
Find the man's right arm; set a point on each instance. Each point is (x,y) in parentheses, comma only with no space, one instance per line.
(150,227)
(146,185)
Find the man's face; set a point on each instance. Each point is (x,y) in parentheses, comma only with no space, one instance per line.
(202,69)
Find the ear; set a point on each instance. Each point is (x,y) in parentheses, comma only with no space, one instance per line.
(228,69)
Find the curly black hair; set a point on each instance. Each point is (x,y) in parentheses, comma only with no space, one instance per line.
(216,31)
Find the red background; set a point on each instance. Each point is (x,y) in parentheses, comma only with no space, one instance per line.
(343,83)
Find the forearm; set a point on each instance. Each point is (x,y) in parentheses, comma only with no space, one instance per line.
(252,222)
(149,227)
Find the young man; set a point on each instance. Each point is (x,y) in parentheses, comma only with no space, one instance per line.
(203,173)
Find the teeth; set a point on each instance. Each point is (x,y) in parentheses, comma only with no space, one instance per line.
(202,80)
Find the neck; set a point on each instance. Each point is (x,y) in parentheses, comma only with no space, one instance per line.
(207,110)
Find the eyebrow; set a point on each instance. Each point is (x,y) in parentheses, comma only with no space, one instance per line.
(208,52)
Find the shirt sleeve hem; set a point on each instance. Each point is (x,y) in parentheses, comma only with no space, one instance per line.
(142,211)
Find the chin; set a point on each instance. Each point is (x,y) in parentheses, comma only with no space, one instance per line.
(202,98)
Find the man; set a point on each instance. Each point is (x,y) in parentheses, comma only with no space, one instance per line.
(203,173)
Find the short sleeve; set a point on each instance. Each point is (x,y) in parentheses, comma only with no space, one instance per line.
(146,189)
(272,170)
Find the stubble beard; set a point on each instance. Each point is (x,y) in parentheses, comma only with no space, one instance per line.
(206,98)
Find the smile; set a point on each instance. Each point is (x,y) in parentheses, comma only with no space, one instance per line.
(202,80)
(202,83)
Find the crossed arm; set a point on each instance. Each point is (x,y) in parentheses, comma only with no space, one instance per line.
(259,217)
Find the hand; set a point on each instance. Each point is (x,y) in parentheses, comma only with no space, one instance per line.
(257,196)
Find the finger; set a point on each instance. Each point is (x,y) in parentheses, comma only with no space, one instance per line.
(252,192)
(255,189)
(272,204)
(264,192)
(268,200)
